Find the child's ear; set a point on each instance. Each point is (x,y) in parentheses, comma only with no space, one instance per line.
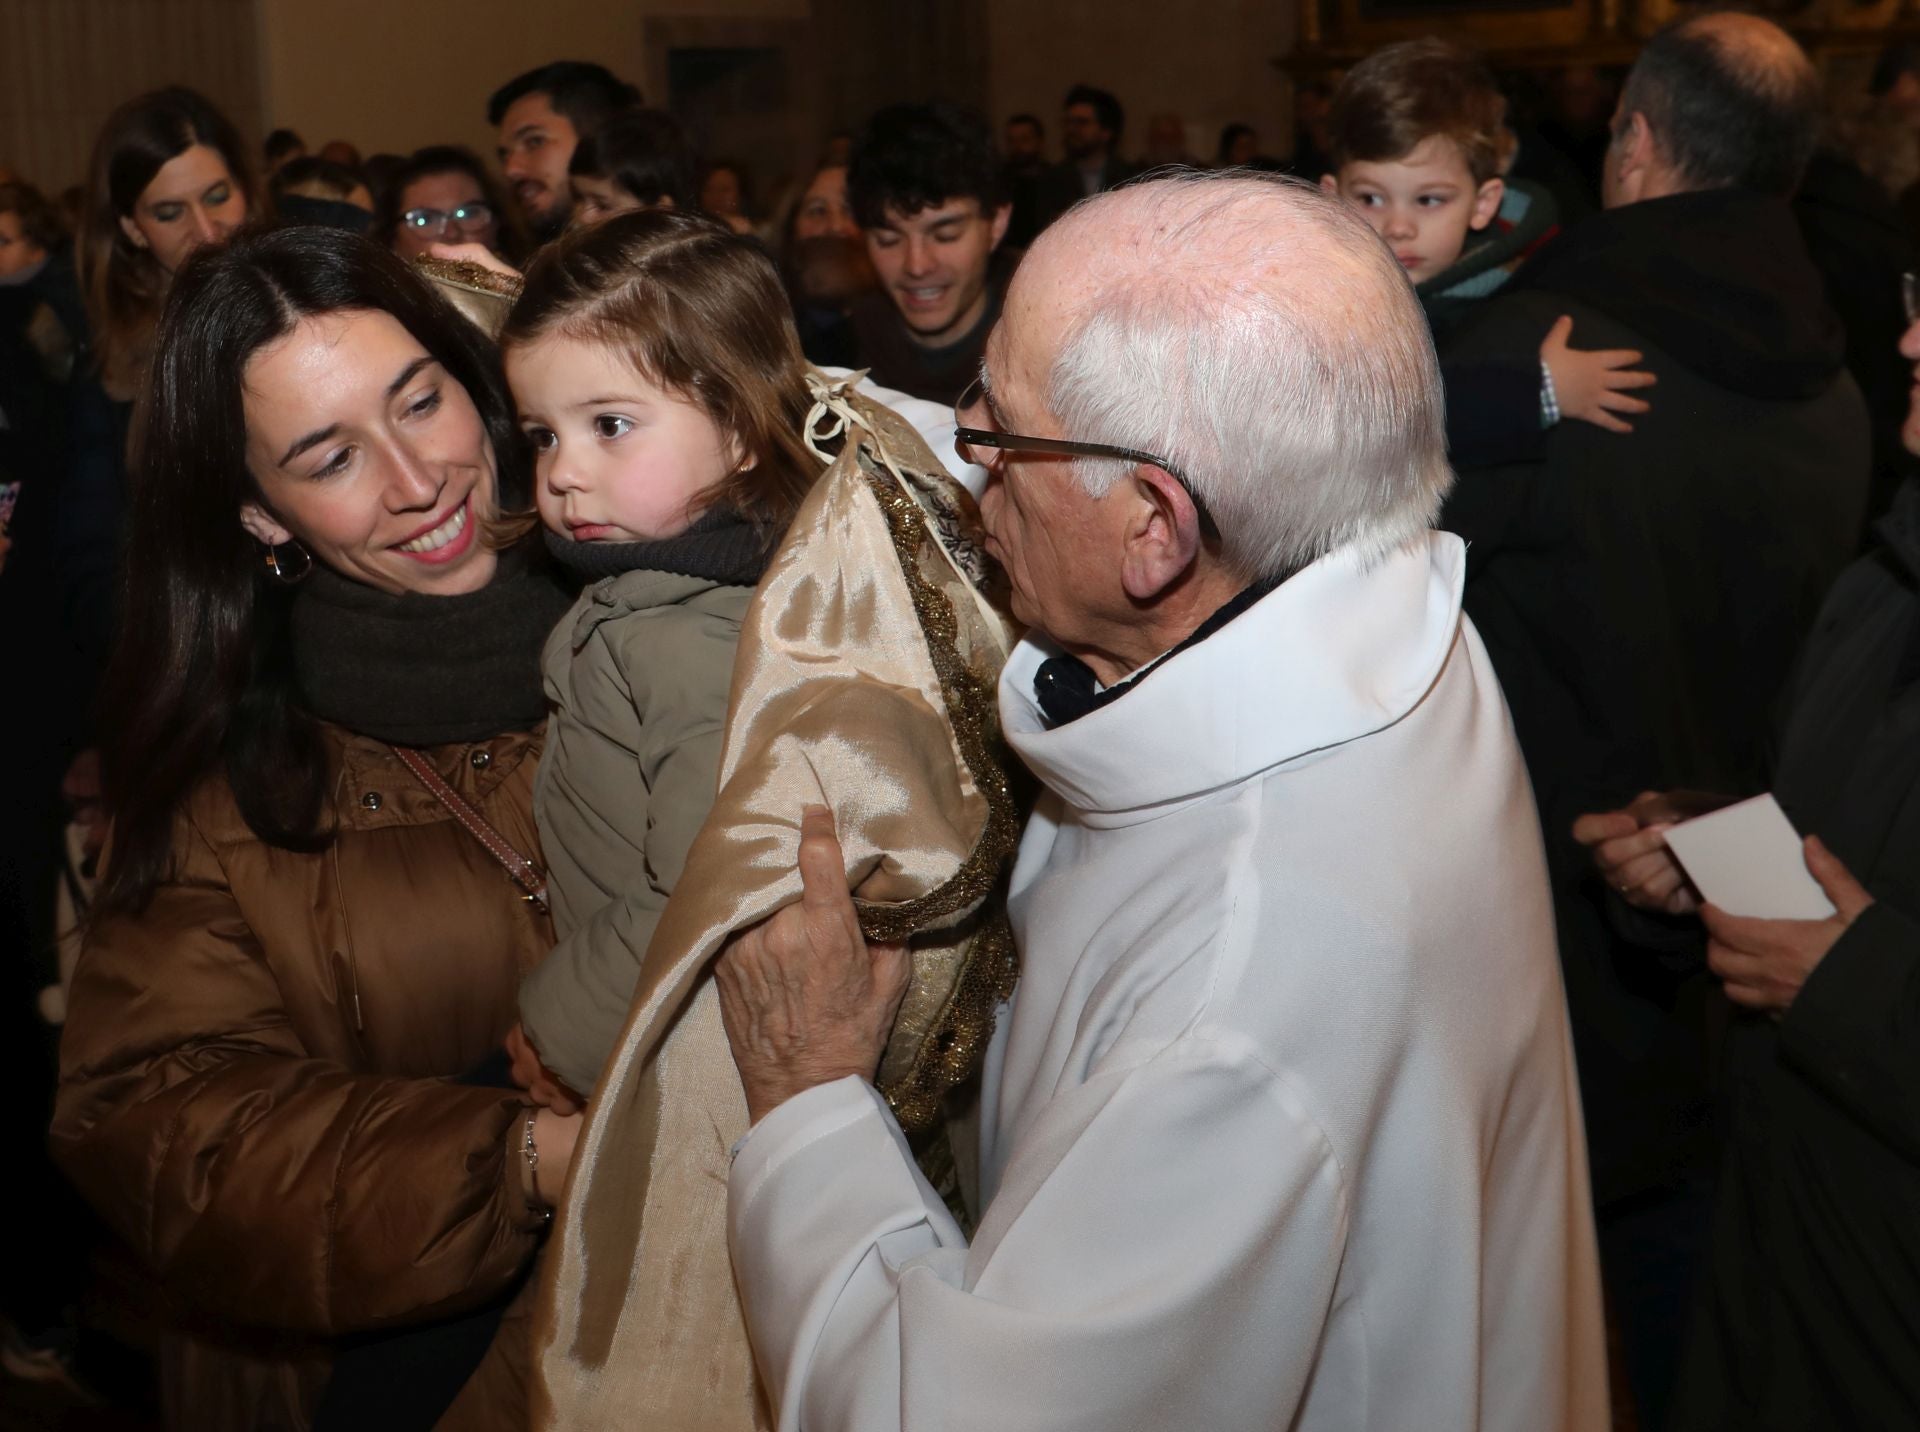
(1330,184)
(1487,202)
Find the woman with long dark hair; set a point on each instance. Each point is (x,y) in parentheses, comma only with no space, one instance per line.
(325,693)
(169,174)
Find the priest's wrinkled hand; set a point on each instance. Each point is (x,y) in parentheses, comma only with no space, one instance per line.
(1763,963)
(805,999)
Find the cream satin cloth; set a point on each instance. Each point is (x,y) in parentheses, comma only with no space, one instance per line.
(865,681)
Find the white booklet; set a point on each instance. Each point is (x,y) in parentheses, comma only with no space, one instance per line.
(1748,860)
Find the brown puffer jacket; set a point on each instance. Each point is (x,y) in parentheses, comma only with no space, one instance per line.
(253,1071)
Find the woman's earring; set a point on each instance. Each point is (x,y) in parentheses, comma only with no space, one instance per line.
(290,572)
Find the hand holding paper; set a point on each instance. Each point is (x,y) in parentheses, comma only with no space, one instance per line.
(1794,900)
(1630,848)
(1747,860)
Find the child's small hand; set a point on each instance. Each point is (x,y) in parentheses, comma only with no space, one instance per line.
(1593,385)
(540,1082)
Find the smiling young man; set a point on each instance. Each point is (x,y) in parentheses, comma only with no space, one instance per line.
(927,189)
(542,116)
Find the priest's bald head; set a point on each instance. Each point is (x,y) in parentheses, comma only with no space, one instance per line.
(1260,356)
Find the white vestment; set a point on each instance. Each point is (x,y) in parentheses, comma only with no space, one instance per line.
(1280,1129)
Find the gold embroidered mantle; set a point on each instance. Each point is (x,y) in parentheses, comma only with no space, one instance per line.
(864,681)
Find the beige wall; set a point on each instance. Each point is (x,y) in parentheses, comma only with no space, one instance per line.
(397,74)
(65,65)
(1209,63)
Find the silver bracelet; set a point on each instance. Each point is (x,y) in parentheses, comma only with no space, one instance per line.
(531,1154)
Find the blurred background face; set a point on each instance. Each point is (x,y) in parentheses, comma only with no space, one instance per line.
(1910,350)
(536,146)
(933,265)
(1023,142)
(193,200)
(1166,139)
(448,208)
(596,197)
(720,194)
(1081,132)
(18,253)
(824,210)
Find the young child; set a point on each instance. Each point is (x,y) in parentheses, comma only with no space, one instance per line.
(660,382)
(657,378)
(1417,139)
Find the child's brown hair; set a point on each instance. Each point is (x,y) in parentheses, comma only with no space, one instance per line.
(1401,95)
(700,311)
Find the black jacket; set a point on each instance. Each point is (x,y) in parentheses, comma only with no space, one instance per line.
(1642,596)
(1860,243)
(1061,187)
(1493,399)
(1810,1314)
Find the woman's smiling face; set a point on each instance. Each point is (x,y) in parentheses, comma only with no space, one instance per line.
(370,455)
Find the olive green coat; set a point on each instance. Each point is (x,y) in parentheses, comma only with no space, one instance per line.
(638,674)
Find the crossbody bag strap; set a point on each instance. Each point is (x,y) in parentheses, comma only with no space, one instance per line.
(531,879)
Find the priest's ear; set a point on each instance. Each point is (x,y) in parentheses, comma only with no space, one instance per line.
(1162,534)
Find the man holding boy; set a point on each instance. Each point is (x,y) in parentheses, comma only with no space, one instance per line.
(925,186)
(1642,596)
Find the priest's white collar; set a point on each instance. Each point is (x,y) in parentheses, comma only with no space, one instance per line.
(1339,650)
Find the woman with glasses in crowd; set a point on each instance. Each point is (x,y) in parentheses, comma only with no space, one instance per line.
(444,195)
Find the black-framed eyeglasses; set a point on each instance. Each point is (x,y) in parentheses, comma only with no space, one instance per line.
(994,442)
(472,215)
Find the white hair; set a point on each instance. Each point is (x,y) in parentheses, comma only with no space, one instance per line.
(1258,336)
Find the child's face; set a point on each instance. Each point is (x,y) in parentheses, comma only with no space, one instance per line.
(617,458)
(1424,204)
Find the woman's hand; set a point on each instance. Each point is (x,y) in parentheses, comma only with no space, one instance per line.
(1763,963)
(474,254)
(804,998)
(1593,384)
(1630,849)
(554,1136)
(543,1086)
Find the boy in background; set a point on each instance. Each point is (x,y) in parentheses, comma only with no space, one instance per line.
(1418,142)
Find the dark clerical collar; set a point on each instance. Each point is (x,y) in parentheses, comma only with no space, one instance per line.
(1067,689)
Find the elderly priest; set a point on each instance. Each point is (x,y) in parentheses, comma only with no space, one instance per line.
(1279,1130)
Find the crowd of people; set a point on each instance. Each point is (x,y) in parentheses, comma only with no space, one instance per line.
(1016,794)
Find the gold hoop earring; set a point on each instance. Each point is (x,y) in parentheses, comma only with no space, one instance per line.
(282,574)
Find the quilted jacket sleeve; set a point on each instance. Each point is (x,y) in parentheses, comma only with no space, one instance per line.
(261,1183)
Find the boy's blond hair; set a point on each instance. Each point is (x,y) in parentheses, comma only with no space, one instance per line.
(1402,95)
